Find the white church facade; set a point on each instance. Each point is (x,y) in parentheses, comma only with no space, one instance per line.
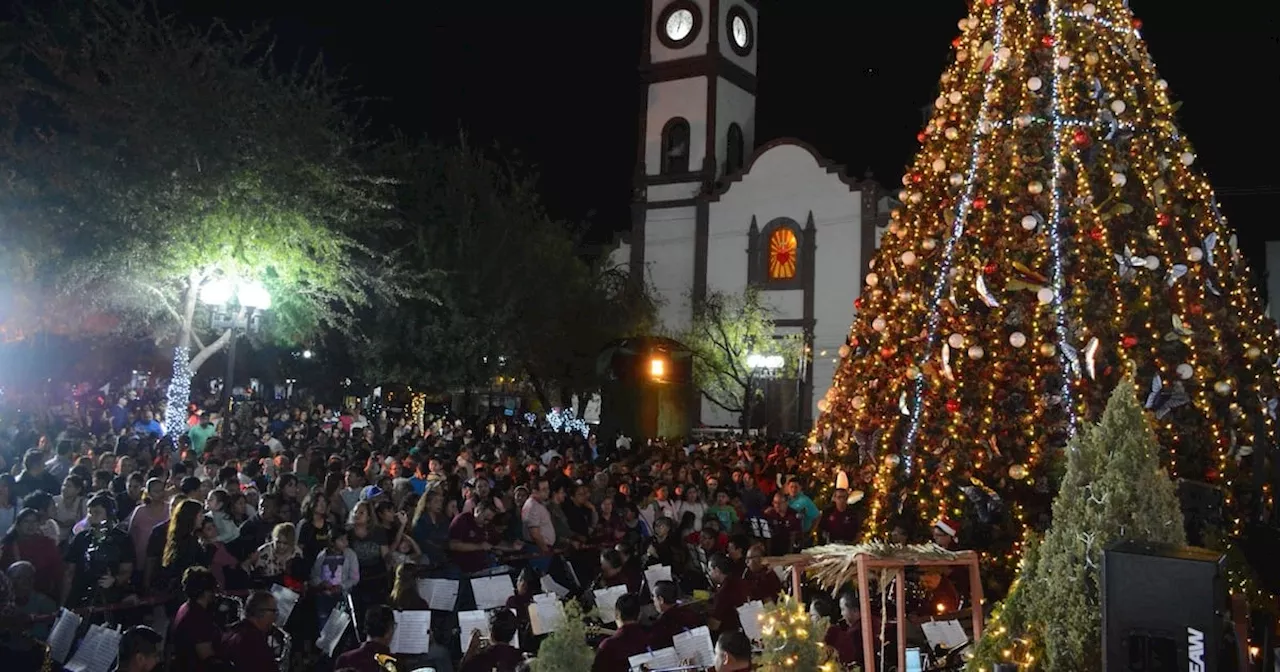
(715,210)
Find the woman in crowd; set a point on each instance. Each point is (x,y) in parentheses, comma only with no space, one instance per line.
(8,502)
(278,560)
(182,547)
(25,541)
(316,526)
(431,528)
(152,512)
(99,560)
(68,507)
(218,506)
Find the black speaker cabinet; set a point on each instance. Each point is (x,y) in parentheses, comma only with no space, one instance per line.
(1162,608)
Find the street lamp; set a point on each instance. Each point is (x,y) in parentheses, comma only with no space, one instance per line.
(251,295)
(657,368)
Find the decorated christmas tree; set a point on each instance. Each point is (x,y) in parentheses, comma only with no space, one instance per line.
(1114,490)
(1056,235)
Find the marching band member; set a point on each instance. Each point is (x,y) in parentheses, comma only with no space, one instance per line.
(732,592)
(629,640)
(733,652)
(139,650)
(499,655)
(673,618)
(247,640)
(375,654)
(764,582)
(195,633)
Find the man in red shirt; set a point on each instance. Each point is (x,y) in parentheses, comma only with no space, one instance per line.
(838,524)
(380,626)
(630,639)
(731,592)
(763,581)
(246,643)
(469,539)
(499,655)
(784,525)
(673,618)
(195,633)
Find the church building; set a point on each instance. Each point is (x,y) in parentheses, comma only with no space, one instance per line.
(717,209)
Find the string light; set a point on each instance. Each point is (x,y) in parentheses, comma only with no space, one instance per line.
(175,408)
(1057,281)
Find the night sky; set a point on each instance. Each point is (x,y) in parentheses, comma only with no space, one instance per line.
(558,82)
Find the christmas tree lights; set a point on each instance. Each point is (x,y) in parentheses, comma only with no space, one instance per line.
(175,408)
(1079,244)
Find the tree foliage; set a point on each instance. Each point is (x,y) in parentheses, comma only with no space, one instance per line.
(1114,490)
(164,155)
(515,297)
(725,329)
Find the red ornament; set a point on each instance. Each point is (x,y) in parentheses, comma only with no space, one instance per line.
(920,136)
(990,268)
(916,177)
(1195,309)
(1129,341)
(1163,219)
(1080,138)
(953,405)
(1097,234)
(886,352)
(857,303)
(991,3)
(979,203)
(1047,40)
(956,42)
(1137,24)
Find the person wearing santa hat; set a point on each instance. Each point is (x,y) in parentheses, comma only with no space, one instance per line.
(945,534)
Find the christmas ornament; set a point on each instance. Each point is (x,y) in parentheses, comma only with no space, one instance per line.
(1048,349)
(979,203)
(976,352)
(1035,187)
(1089,9)
(908,258)
(957,179)
(929,244)
(1194,254)
(1029,222)
(1129,341)
(844,351)
(939,165)
(1118,179)
(873,279)
(956,341)
(1188,158)
(1222,387)
(1252,352)
(1118,106)
(953,405)
(1045,295)
(1018,472)
(1185,371)
(1017,339)
(822,405)
(858,402)
(1034,83)
(879,324)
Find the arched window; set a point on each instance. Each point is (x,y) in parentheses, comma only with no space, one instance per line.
(734,149)
(784,252)
(675,147)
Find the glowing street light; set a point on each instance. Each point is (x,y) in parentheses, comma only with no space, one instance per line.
(254,295)
(759,362)
(657,368)
(307,354)
(217,292)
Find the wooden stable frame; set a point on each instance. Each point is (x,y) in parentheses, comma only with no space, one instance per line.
(867,561)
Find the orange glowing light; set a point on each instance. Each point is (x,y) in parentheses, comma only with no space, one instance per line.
(782,254)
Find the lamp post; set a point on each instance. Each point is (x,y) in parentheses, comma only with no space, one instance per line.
(762,366)
(250,296)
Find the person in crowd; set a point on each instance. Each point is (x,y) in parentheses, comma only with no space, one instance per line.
(431,528)
(838,524)
(732,591)
(195,632)
(280,560)
(31,602)
(375,653)
(182,548)
(9,504)
(334,573)
(68,506)
(225,567)
(139,650)
(763,582)
(733,652)
(34,477)
(784,525)
(673,617)
(497,654)
(246,643)
(316,526)
(218,507)
(25,542)
(99,561)
(630,638)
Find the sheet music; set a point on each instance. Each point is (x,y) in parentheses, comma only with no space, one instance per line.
(286,600)
(439,594)
(97,651)
(471,623)
(695,645)
(607,602)
(760,528)
(413,632)
(550,585)
(782,573)
(749,614)
(947,634)
(63,635)
(662,659)
(656,573)
(491,592)
(545,615)
(339,621)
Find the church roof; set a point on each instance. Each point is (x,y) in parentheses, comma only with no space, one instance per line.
(725,183)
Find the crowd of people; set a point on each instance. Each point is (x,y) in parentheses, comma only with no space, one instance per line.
(184,537)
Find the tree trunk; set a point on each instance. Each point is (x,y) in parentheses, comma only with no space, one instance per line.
(179,392)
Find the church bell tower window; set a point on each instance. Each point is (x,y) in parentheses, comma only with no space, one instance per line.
(734,149)
(675,147)
(784,249)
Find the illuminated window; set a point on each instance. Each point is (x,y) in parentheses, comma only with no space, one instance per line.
(675,147)
(783,248)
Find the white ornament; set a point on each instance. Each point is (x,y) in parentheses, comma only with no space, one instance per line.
(903,195)
(1035,187)
(941,101)
(879,324)
(1195,254)
(955,97)
(1029,222)
(1034,83)
(1119,179)
(963,23)
(908,258)
(1064,62)
(1045,295)
(1118,106)
(929,243)
(1023,120)
(893,460)
(956,341)
(1185,371)
(939,165)
(1017,339)
(1188,158)
(916,197)
(962,56)
(906,179)
(976,352)
(952,133)
(822,405)
(1162,85)
(1222,387)
(1004,54)
(844,351)
(858,402)
(873,279)
(957,179)
(1152,262)
(1089,9)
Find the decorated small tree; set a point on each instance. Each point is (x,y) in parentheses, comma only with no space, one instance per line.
(566,647)
(792,640)
(1114,489)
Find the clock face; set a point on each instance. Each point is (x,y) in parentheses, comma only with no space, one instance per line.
(741,33)
(679,25)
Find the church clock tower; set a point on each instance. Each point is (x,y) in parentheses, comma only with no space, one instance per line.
(697,125)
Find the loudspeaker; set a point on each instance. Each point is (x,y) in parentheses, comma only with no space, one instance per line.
(1162,608)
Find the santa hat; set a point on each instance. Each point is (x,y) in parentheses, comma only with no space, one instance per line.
(947,525)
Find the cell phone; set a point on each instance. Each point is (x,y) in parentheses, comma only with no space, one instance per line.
(915,661)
